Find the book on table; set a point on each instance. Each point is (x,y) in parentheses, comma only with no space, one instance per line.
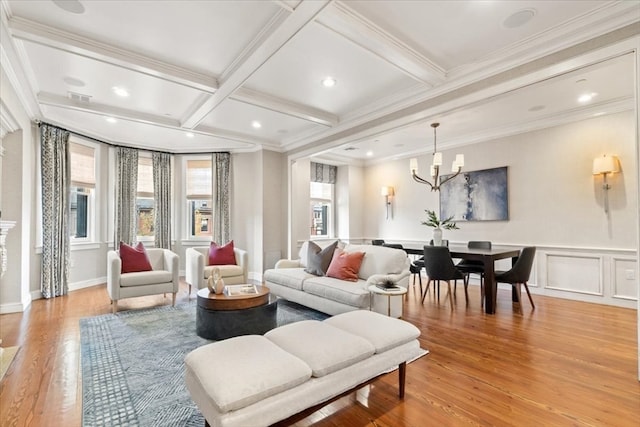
(237,290)
(388,286)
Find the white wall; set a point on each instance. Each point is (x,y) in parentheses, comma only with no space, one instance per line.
(17,184)
(554,203)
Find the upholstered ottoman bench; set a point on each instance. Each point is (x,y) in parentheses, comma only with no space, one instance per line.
(256,380)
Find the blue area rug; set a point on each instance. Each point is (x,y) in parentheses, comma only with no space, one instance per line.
(133,364)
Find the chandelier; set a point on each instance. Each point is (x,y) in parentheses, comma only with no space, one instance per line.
(456,167)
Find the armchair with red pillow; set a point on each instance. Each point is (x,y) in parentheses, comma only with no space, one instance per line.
(200,261)
(135,271)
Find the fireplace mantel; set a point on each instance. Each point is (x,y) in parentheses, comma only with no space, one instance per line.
(5,226)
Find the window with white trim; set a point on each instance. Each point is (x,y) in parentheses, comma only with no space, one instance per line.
(145,203)
(82,192)
(199,195)
(321,194)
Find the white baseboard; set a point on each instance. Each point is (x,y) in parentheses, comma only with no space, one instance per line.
(87,283)
(16,307)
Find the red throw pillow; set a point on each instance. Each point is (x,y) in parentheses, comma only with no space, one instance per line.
(345,265)
(134,259)
(222,255)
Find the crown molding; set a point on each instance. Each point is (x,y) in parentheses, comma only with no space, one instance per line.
(8,123)
(34,32)
(162,121)
(343,20)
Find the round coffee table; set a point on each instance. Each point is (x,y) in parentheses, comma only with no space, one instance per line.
(224,316)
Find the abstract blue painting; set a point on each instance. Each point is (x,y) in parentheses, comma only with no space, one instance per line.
(476,196)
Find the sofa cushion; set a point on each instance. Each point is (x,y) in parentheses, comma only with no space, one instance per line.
(221,255)
(225,270)
(379,260)
(242,370)
(382,332)
(134,259)
(289,277)
(318,259)
(345,265)
(308,340)
(350,293)
(142,278)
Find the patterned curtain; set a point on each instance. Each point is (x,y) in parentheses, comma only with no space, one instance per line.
(323,173)
(221,210)
(126,191)
(56,182)
(162,195)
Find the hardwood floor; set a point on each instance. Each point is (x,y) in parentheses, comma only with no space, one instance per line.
(564,364)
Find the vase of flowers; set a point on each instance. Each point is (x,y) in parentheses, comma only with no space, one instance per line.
(438,225)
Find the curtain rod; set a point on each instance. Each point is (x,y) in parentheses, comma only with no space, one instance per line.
(40,123)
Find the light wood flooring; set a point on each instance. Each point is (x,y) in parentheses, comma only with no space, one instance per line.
(566,363)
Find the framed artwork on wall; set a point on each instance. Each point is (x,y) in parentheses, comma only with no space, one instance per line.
(476,196)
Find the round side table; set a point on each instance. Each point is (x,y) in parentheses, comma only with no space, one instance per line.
(391,292)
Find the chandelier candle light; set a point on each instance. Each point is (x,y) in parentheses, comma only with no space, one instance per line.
(456,167)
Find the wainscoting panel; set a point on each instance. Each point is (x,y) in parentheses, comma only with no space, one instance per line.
(624,278)
(580,273)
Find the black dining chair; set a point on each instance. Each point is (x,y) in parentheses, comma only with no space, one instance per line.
(377,242)
(519,274)
(440,266)
(413,268)
(469,267)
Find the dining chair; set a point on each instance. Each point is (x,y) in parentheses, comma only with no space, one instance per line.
(519,274)
(414,269)
(440,266)
(469,267)
(377,242)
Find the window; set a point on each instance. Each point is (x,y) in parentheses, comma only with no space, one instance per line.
(145,202)
(83,183)
(199,198)
(321,196)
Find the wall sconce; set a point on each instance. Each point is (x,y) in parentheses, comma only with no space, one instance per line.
(602,166)
(388,194)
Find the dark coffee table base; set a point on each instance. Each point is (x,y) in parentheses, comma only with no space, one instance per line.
(223,324)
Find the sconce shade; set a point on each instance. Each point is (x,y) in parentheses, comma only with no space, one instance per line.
(386,191)
(605,164)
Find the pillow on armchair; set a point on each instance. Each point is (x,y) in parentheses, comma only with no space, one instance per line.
(222,255)
(134,259)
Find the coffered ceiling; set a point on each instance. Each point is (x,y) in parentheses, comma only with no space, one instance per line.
(199,75)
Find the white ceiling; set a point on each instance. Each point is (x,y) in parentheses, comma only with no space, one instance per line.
(211,68)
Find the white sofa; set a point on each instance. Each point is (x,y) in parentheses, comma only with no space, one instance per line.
(197,271)
(162,279)
(288,280)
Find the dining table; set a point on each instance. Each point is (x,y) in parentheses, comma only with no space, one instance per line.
(488,258)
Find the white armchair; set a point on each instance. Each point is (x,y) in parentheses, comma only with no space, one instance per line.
(162,279)
(197,271)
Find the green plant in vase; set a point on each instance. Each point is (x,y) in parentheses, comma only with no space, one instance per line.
(437,225)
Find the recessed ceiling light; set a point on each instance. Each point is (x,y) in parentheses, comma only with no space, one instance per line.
(256,124)
(369,153)
(329,82)
(519,18)
(586,97)
(598,114)
(111,120)
(120,91)
(72,81)
(73,6)
(189,134)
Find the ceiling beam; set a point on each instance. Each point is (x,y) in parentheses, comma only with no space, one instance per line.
(355,27)
(284,106)
(303,14)
(34,32)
